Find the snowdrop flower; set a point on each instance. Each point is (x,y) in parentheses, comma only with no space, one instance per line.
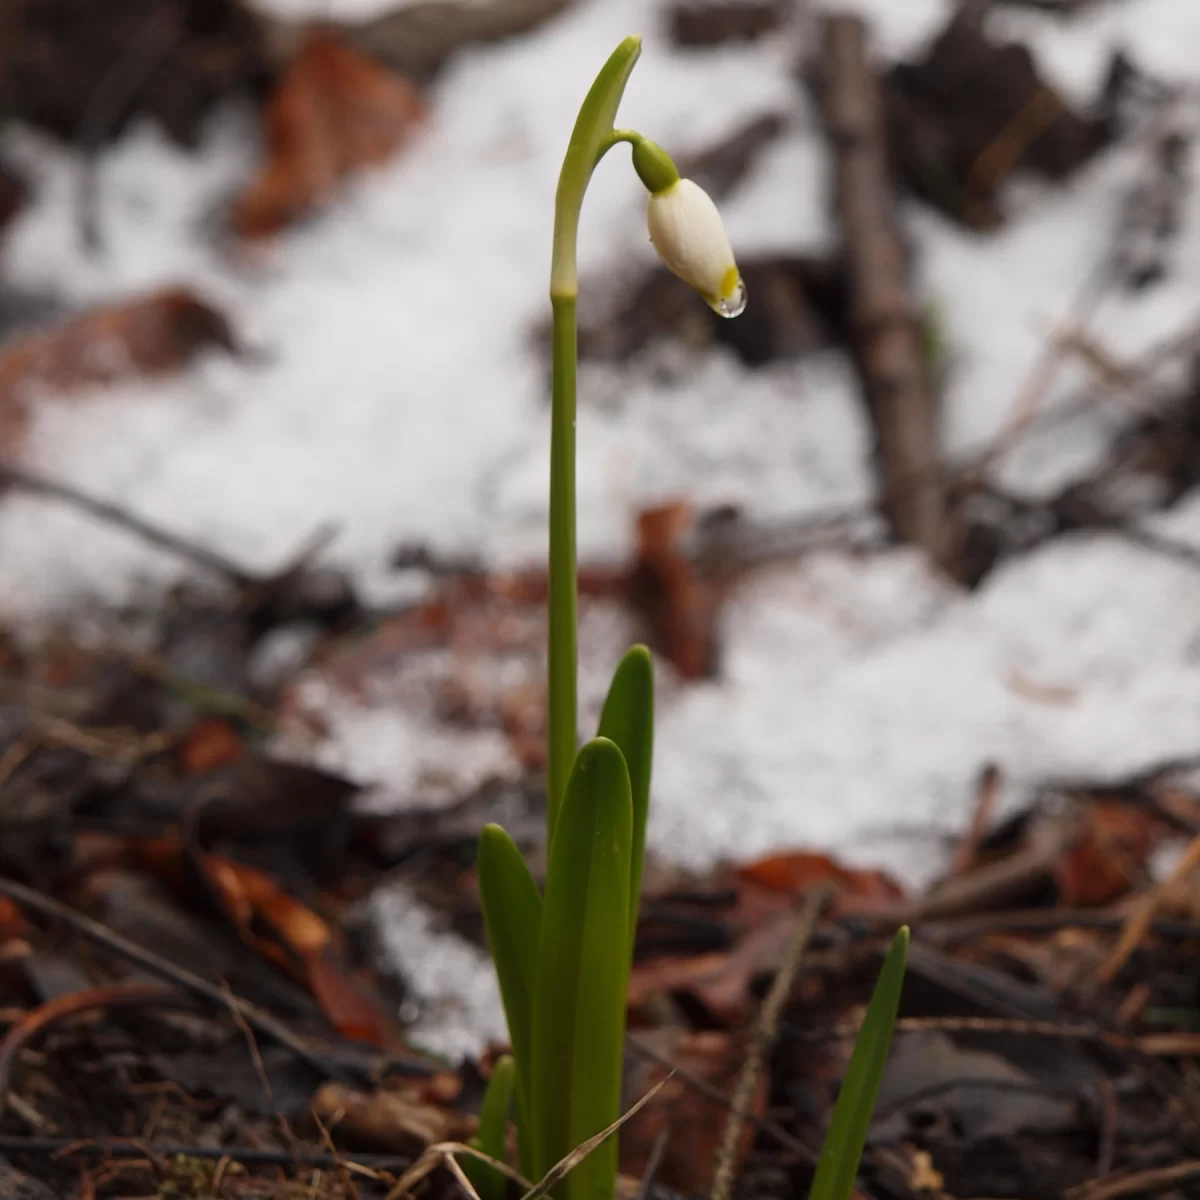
(687,231)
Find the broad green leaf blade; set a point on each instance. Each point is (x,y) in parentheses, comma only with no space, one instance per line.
(583,974)
(843,1145)
(512,911)
(628,720)
(493,1131)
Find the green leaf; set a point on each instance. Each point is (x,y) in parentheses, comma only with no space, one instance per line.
(512,911)
(583,974)
(843,1145)
(493,1131)
(628,720)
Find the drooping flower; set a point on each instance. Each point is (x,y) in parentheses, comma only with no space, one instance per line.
(689,235)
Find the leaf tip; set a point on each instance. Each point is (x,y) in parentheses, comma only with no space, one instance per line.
(639,657)
(493,837)
(599,751)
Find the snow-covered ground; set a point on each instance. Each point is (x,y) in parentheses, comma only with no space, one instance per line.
(400,395)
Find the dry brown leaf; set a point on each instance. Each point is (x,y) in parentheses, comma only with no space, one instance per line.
(762,921)
(151,336)
(210,743)
(1111,855)
(719,980)
(295,939)
(12,921)
(333,112)
(396,1122)
(793,872)
(679,604)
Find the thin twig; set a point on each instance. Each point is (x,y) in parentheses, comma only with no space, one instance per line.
(1041,376)
(1109,1113)
(987,793)
(120,744)
(11,1143)
(952,931)
(1158,1179)
(113,514)
(1151,1045)
(1148,539)
(1142,917)
(264,1080)
(1011,1025)
(965,469)
(34,1022)
(263,1021)
(118,88)
(765,1032)
(698,1084)
(998,158)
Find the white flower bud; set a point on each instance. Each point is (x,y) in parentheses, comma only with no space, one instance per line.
(689,235)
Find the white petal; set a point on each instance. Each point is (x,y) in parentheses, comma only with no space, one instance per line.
(689,235)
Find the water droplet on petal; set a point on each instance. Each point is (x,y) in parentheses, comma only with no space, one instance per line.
(735,305)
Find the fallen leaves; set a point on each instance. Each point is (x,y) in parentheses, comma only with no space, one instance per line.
(286,933)
(719,981)
(970,112)
(296,940)
(761,920)
(151,336)
(210,743)
(987,1095)
(1110,855)
(794,872)
(83,72)
(678,602)
(1176,893)
(401,1121)
(334,112)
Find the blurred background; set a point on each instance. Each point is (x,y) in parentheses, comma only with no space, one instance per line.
(915,540)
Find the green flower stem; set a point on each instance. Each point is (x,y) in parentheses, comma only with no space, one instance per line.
(562,730)
(591,138)
(612,138)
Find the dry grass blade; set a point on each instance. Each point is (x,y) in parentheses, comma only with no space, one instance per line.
(432,1158)
(1143,915)
(1158,1180)
(704,1088)
(460,1175)
(764,1035)
(565,1166)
